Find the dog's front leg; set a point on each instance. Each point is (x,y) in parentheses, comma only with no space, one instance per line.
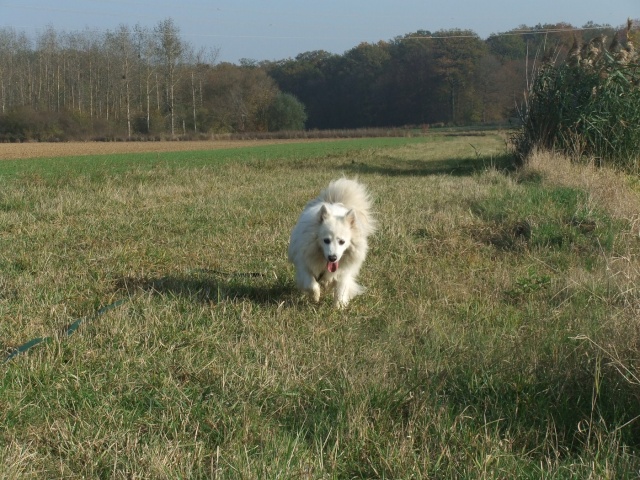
(314,292)
(308,283)
(341,295)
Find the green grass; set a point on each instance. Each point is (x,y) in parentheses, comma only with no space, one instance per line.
(497,337)
(111,164)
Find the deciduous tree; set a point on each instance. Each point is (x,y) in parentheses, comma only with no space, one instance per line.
(170,50)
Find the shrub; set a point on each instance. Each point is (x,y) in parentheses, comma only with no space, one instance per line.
(25,124)
(286,113)
(588,106)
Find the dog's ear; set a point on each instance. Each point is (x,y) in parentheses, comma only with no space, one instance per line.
(351,219)
(324,213)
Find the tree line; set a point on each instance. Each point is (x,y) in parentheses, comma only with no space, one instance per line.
(138,82)
(423,78)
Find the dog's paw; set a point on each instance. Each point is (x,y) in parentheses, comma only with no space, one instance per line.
(314,293)
(340,302)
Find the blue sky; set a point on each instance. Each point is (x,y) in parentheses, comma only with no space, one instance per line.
(278,29)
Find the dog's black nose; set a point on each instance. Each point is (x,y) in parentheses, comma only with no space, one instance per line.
(332,258)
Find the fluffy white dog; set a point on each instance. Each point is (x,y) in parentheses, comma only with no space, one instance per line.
(329,243)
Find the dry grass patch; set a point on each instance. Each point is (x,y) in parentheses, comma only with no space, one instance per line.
(608,189)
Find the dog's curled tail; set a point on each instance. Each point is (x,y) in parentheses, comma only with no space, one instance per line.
(353,195)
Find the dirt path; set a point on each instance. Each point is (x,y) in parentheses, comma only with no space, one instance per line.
(41,150)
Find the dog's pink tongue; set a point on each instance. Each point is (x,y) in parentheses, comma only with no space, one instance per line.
(332,266)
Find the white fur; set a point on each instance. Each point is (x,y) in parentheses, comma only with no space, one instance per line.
(332,229)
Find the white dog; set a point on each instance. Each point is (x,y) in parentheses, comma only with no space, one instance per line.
(329,243)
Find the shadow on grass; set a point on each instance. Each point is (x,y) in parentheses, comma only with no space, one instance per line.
(213,286)
(561,403)
(455,166)
(553,415)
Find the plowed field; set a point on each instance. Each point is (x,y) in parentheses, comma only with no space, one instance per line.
(44,149)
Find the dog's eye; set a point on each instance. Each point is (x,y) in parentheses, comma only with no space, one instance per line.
(327,241)
(341,242)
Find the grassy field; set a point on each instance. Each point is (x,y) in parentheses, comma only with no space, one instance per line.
(498,337)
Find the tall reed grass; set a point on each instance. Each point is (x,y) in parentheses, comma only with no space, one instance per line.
(587,106)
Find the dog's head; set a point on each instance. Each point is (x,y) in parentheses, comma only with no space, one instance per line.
(334,235)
